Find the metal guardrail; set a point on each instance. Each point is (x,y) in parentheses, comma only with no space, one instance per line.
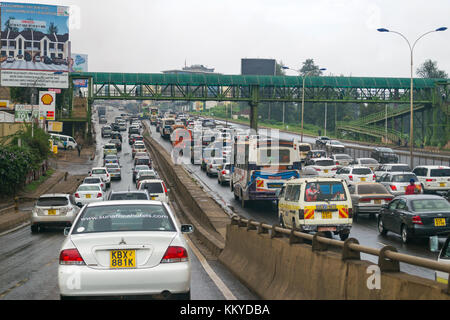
(388,257)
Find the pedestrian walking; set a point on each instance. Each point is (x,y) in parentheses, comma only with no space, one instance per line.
(411,188)
(65,145)
(79,150)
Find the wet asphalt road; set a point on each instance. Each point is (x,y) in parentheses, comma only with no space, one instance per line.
(29,262)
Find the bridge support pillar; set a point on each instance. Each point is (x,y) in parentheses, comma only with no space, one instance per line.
(254,108)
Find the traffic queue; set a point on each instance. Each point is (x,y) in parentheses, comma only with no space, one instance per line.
(119,242)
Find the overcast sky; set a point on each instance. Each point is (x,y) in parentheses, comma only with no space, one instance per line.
(150,36)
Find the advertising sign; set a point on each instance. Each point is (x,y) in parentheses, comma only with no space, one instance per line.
(80,62)
(25,112)
(35,45)
(47,105)
(4,105)
(55,126)
(80,83)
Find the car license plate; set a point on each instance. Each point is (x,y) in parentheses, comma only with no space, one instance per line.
(326,171)
(52,212)
(88,196)
(377,201)
(326,229)
(153,198)
(123,259)
(439,222)
(363,179)
(327,215)
(442,184)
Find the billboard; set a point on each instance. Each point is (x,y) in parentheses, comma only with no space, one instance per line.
(54,126)
(80,63)
(25,112)
(34,45)
(47,105)
(258,67)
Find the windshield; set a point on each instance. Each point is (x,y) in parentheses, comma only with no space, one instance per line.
(404,178)
(274,156)
(372,189)
(153,187)
(52,202)
(110,146)
(129,196)
(368,161)
(304,148)
(361,171)
(92,180)
(399,169)
(99,171)
(430,205)
(324,163)
(325,191)
(440,173)
(124,218)
(89,188)
(169,122)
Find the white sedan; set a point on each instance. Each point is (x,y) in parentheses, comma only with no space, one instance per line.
(125,248)
(87,193)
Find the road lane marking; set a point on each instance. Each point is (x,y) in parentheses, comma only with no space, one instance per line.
(214,277)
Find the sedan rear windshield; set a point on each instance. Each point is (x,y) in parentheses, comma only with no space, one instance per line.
(52,201)
(399,168)
(361,171)
(324,163)
(99,171)
(129,196)
(89,188)
(124,218)
(108,146)
(153,187)
(440,173)
(424,205)
(404,178)
(368,161)
(372,189)
(92,180)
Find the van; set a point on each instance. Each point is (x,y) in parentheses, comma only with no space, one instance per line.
(433,178)
(59,140)
(316,204)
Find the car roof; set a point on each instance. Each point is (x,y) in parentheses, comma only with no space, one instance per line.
(96,168)
(124,203)
(313,179)
(419,197)
(433,167)
(51,195)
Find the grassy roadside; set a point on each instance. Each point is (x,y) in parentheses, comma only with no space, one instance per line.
(35,184)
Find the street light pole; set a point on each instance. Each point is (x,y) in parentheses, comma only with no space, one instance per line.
(411,123)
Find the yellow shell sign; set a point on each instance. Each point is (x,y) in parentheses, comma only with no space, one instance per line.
(47,99)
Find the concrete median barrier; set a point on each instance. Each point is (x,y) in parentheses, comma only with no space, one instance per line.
(277,270)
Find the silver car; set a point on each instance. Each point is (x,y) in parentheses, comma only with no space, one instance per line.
(396,182)
(223,176)
(214,166)
(53,210)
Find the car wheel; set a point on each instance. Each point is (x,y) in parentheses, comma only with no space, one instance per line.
(381,229)
(344,235)
(34,228)
(405,234)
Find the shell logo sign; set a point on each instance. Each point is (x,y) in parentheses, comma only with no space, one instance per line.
(47,99)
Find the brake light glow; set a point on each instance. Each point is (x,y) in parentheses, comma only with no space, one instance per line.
(175,254)
(70,256)
(350,177)
(77,195)
(430,180)
(165,189)
(99,195)
(393,188)
(223,172)
(417,220)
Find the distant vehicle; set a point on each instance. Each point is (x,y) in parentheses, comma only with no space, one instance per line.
(114,170)
(384,155)
(109,149)
(102,120)
(117,143)
(53,210)
(391,167)
(88,193)
(334,146)
(313,154)
(106,131)
(355,174)
(368,197)
(214,166)
(101,110)
(103,173)
(138,168)
(224,175)
(303,149)
(128,195)
(396,182)
(47,60)
(433,178)
(325,167)
(95,180)
(156,189)
(341,159)
(166,127)
(415,216)
(322,141)
(367,162)
(60,139)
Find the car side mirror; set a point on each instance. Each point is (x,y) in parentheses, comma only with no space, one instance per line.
(66,231)
(187,228)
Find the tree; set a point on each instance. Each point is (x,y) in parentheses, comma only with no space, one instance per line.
(52,28)
(429,69)
(8,25)
(309,68)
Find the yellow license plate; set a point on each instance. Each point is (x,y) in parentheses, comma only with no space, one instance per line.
(123,259)
(439,222)
(377,201)
(327,215)
(52,212)
(363,179)
(153,198)
(442,184)
(326,171)
(88,196)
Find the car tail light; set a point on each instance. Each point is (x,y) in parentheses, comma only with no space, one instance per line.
(107,174)
(334,169)
(77,195)
(99,195)
(175,254)
(337,163)
(374,177)
(388,199)
(317,169)
(393,188)
(165,189)
(417,220)
(430,180)
(101,185)
(70,256)
(350,177)
(223,172)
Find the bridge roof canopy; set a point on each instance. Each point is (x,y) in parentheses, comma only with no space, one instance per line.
(246,80)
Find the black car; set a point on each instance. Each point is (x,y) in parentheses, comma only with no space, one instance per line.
(115,127)
(415,216)
(384,155)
